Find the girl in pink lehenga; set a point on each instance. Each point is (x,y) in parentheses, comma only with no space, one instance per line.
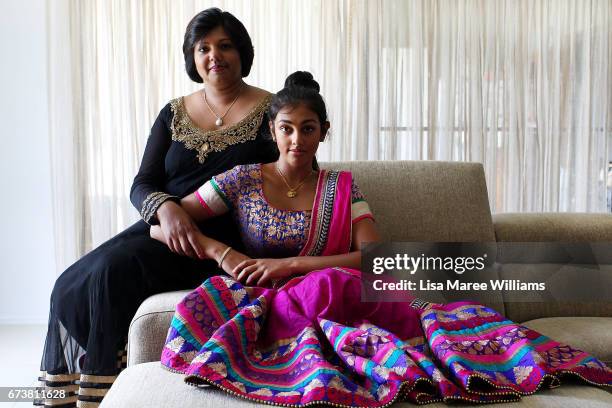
(287,326)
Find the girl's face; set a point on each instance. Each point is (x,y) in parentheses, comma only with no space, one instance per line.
(217,59)
(298,132)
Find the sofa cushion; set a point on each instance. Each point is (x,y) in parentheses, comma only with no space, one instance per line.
(590,334)
(524,311)
(522,306)
(149,327)
(150,385)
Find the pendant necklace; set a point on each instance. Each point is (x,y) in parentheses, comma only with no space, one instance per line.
(219,121)
(292,193)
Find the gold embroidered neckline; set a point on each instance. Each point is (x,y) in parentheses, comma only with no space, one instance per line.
(261,106)
(206,141)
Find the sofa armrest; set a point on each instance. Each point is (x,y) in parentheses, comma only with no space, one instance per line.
(550,227)
(149,327)
(553,227)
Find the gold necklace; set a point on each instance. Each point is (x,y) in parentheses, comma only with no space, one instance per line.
(292,193)
(219,121)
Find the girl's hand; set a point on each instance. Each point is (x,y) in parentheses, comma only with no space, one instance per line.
(258,272)
(233,259)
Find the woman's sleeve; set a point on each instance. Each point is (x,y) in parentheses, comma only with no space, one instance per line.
(359,209)
(220,194)
(147,192)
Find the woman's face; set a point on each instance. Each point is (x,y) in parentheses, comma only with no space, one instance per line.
(298,132)
(217,59)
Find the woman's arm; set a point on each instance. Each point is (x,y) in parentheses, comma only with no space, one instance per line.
(262,271)
(179,219)
(213,198)
(147,193)
(155,205)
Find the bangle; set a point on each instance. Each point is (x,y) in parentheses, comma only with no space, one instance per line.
(223,255)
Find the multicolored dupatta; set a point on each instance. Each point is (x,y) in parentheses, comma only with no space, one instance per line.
(313,340)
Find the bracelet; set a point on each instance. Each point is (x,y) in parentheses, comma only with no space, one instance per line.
(223,255)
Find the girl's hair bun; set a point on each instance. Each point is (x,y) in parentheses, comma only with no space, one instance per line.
(302,79)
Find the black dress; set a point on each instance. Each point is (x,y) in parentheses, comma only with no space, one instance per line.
(94,300)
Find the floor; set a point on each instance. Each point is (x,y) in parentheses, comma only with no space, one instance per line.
(20,352)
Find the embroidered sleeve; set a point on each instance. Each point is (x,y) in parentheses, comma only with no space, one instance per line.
(151,203)
(220,194)
(359,208)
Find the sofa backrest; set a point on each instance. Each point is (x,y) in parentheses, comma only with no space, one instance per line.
(427,201)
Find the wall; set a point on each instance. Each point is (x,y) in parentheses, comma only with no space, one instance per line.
(27,263)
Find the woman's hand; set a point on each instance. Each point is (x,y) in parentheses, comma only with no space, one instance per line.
(258,272)
(180,231)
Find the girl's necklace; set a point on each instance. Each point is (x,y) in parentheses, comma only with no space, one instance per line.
(293,191)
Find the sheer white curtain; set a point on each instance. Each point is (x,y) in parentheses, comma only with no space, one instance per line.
(522,86)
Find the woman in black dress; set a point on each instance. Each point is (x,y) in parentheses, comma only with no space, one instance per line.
(194,137)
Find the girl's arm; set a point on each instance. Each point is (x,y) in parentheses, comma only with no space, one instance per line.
(192,206)
(363,231)
(261,271)
(212,249)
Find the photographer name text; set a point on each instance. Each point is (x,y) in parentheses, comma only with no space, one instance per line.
(428,285)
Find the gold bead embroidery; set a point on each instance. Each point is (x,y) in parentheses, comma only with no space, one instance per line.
(205,142)
(151,203)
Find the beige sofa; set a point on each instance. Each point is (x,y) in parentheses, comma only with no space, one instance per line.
(412,201)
